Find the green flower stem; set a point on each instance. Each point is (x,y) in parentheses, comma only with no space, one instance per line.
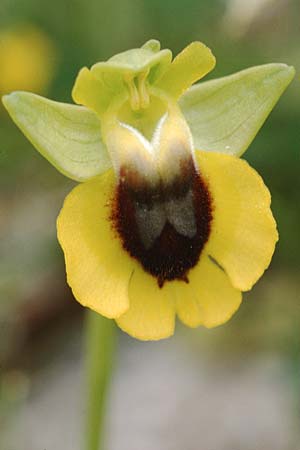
(100,343)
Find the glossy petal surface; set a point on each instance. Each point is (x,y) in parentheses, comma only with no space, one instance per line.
(243,234)
(98,269)
(68,136)
(225,114)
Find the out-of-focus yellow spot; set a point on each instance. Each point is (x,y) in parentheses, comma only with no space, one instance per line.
(27,60)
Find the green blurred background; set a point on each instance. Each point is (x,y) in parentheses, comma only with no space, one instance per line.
(229,388)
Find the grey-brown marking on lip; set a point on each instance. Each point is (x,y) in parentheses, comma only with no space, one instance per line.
(151,219)
(180,213)
(164,227)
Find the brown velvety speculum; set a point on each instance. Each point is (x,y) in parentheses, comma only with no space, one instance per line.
(164,227)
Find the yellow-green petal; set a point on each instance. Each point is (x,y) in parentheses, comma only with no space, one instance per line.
(243,231)
(193,63)
(91,92)
(98,269)
(225,114)
(68,136)
(151,315)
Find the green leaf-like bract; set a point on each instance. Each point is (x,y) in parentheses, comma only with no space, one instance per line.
(68,136)
(225,114)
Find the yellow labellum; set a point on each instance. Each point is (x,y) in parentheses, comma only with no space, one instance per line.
(106,278)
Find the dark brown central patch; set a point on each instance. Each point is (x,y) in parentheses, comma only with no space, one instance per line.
(164,227)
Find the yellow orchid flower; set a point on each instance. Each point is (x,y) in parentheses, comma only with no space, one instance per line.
(167,220)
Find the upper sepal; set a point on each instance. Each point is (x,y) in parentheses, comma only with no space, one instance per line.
(224,115)
(68,136)
(148,58)
(120,75)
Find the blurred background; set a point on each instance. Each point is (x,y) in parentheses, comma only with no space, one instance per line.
(231,388)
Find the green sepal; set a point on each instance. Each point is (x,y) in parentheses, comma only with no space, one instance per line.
(136,61)
(225,114)
(123,74)
(68,136)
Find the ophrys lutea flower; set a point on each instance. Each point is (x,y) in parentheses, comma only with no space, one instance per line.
(167,220)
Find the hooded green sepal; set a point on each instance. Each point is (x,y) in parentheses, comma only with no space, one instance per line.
(127,73)
(224,115)
(68,136)
(149,58)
